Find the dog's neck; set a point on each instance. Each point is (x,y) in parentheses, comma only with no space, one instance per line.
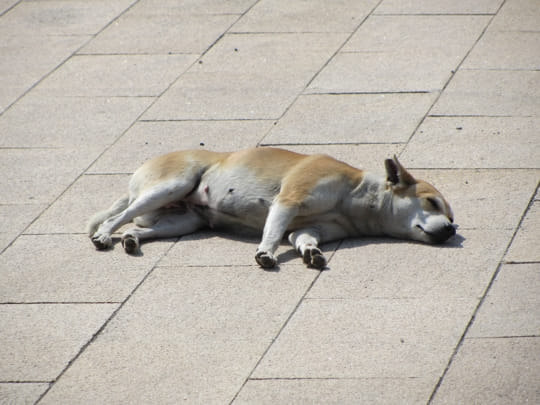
(368,208)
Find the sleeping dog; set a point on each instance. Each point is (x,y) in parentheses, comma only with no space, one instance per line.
(312,198)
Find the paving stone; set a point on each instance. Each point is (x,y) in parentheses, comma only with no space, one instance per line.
(302,16)
(15,218)
(88,195)
(67,268)
(68,121)
(511,307)
(336,391)
(38,341)
(475,142)
(367,268)
(160,34)
(493,371)
(57,17)
(491,93)
(378,58)
(39,176)
(484,199)
(115,75)
(209,248)
(246,76)
(438,7)
(187,335)
(505,50)
(19,71)
(364,156)
(5,5)
(351,118)
(168,7)
(527,237)
(148,139)
(517,15)
(21,393)
(369,338)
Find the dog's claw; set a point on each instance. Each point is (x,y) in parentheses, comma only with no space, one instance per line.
(265,259)
(102,242)
(130,244)
(313,257)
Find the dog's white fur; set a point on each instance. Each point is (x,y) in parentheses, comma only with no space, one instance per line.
(314,198)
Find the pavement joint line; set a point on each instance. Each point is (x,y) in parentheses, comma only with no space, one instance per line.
(284,325)
(503,337)
(482,298)
(324,65)
(103,325)
(452,75)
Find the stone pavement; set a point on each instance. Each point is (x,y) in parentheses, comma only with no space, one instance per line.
(91,89)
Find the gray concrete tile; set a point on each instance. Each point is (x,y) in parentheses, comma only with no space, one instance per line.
(508,50)
(517,15)
(69,269)
(5,5)
(484,199)
(70,213)
(511,307)
(493,371)
(301,16)
(56,17)
(187,335)
(217,249)
(247,76)
(521,249)
(369,338)
(35,175)
(26,59)
(438,7)
(491,93)
(475,142)
(364,268)
(152,33)
(38,341)
(351,118)
(68,121)
(168,7)
(363,156)
(148,139)
(21,393)
(15,218)
(379,58)
(115,75)
(356,391)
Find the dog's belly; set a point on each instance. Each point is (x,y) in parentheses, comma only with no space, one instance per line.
(233,199)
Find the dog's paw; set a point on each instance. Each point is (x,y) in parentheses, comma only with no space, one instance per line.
(265,259)
(313,257)
(101,242)
(130,243)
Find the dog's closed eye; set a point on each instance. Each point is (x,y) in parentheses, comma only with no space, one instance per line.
(434,203)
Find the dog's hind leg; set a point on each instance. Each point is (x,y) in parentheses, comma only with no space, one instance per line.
(166,226)
(150,200)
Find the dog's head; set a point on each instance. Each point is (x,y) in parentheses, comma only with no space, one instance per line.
(418,210)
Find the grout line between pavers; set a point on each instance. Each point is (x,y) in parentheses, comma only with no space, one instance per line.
(324,65)
(453,73)
(482,298)
(293,312)
(104,325)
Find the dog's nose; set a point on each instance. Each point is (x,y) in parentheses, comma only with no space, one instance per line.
(450,230)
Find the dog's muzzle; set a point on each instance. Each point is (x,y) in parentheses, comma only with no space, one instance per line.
(441,234)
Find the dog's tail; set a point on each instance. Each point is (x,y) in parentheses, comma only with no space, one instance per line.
(118,206)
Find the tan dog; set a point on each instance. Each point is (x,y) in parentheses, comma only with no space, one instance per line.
(315,198)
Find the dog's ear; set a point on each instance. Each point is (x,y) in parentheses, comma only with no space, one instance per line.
(397,174)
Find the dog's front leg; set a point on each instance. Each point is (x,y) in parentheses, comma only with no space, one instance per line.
(306,242)
(279,218)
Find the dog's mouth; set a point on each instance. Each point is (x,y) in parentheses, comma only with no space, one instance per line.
(441,235)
